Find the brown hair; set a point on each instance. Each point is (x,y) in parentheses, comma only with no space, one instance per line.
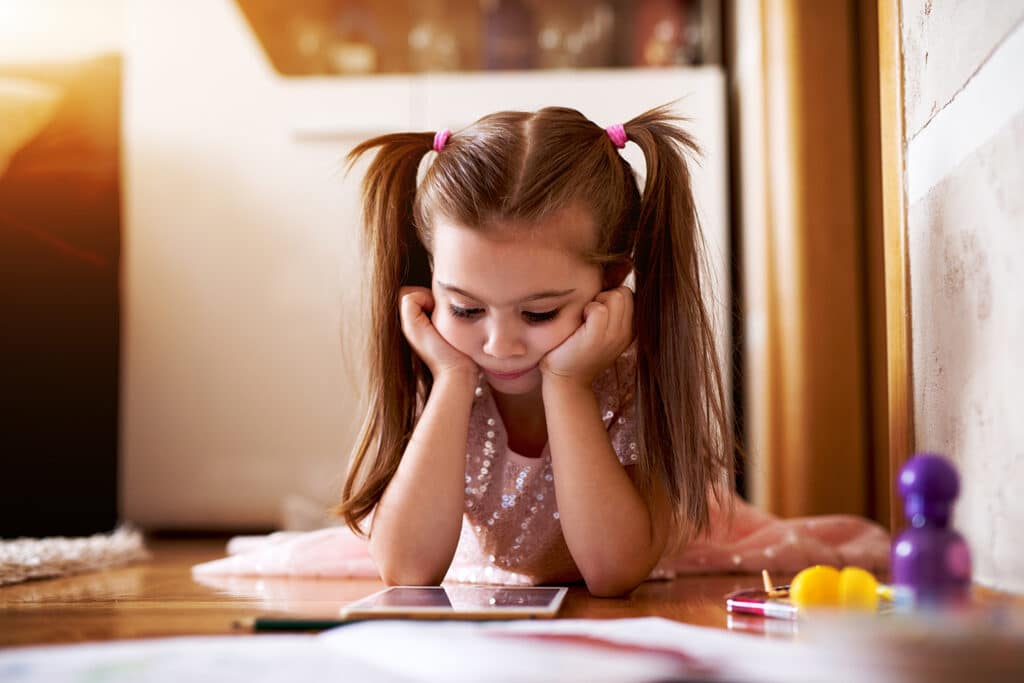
(524,166)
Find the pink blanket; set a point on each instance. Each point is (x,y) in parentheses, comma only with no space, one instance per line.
(753,541)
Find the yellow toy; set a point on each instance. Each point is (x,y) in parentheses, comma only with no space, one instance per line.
(852,588)
(823,586)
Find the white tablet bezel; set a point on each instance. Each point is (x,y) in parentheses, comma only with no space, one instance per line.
(361,608)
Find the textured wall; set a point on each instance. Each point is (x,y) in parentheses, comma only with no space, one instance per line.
(965,179)
(944,44)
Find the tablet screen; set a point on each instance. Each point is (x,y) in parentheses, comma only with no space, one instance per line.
(460,601)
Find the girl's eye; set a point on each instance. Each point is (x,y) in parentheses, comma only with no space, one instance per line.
(459,312)
(540,317)
(530,316)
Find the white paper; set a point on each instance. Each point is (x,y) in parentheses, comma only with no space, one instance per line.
(843,648)
(225,659)
(366,652)
(471,652)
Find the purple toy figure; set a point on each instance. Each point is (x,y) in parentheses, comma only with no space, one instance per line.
(931,563)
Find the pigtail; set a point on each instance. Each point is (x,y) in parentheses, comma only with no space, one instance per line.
(681,405)
(397,382)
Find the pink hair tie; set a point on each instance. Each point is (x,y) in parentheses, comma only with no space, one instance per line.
(618,135)
(441,139)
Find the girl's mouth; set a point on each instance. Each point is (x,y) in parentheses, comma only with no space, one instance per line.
(508,375)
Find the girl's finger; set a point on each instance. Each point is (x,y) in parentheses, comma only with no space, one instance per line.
(413,317)
(627,321)
(595,323)
(407,312)
(625,310)
(615,304)
(423,297)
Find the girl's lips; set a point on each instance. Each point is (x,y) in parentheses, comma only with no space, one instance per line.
(508,375)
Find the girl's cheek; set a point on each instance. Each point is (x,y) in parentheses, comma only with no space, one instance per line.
(452,330)
(444,324)
(561,330)
(570,322)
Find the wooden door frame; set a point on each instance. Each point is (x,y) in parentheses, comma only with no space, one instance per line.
(894,231)
(755,74)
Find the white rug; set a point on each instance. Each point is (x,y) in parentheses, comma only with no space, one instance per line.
(36,558)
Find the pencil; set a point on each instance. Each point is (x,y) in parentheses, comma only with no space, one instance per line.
(287,624)
(769,588)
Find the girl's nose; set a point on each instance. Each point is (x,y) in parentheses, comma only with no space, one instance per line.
(504,341)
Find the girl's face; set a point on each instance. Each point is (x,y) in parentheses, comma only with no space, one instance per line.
(506,301)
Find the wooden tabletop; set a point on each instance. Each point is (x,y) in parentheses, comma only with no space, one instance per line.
(160,598)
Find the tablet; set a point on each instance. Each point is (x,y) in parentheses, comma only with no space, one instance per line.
(459,602)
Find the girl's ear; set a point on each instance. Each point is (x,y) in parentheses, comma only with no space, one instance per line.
(616,273)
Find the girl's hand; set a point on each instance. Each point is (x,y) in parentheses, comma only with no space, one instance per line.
(606,332)
(415,306)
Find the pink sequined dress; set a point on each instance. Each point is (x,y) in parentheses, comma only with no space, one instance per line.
(510,529)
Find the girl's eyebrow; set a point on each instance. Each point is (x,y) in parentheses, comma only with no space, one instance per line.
(547,294)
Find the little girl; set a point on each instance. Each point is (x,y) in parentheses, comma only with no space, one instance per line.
(531,419)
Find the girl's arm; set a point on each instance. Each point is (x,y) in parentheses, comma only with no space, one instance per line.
(417,521)
(613,536)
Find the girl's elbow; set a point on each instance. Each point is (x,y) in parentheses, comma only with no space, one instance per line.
(408,579)
(612,584)
(611,589)
(407,576)
(612,579)
(394,572)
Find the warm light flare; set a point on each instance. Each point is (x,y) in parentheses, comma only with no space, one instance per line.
(34,31)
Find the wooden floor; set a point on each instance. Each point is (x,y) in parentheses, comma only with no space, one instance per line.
(160,598)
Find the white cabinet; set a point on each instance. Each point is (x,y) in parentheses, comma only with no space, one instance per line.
(242,277)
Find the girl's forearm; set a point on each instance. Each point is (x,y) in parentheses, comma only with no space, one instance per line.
(417,522)
(606,523)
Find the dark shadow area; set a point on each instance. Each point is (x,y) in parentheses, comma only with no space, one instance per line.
(60,242)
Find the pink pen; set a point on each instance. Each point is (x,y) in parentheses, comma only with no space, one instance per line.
(758,602)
